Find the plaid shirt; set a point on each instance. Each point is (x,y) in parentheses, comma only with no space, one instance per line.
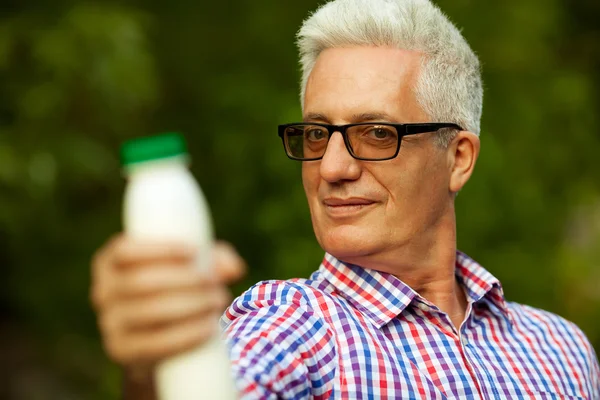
(354,333)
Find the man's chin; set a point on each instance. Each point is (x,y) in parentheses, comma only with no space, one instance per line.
(348,243)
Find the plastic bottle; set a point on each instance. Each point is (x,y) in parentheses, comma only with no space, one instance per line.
(164,202)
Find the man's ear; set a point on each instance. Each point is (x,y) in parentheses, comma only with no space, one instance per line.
(462,153)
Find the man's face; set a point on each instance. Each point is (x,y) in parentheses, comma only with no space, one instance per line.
(362,210)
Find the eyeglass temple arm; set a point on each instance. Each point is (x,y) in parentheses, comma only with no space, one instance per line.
(412,129)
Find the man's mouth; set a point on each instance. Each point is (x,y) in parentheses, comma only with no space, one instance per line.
(346,206)
(352,201)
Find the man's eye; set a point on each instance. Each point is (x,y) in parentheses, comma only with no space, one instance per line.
(381,133)
(316,134)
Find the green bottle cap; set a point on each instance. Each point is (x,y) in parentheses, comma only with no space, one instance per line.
(153,148)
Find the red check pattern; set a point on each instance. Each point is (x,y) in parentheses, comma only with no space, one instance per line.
(354,333)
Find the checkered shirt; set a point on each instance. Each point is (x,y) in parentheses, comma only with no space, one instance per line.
(354,333)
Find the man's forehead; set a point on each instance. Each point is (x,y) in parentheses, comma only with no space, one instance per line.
(375,60)
(361,84)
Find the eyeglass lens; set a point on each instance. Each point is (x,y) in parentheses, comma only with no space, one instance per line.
(371,142)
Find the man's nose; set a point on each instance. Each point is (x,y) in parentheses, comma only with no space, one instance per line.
(337,163)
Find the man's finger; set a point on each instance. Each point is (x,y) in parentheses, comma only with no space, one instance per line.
(172,309)
(229,266)
(129,252)
(140,282)
(142,348)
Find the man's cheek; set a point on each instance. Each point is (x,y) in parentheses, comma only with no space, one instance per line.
(305,178)
(310,181)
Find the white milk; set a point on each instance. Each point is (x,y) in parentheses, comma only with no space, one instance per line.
(164,202)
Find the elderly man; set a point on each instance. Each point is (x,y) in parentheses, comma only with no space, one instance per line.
(392,98)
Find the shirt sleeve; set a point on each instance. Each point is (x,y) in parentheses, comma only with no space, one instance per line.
(595,375)
(279,348)
(591,373)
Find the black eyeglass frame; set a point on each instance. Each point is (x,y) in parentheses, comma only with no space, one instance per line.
(402,129)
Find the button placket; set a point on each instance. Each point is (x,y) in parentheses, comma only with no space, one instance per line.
(464,345)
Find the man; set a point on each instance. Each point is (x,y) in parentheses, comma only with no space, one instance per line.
(392,97)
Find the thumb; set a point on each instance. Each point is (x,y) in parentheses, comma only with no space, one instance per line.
(229,266)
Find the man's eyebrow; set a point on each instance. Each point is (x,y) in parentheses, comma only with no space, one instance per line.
(369,117)
(315,117)
(356,118)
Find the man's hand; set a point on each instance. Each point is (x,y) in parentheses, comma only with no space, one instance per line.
(152,302)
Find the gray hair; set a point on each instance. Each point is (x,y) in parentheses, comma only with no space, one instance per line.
(449,87)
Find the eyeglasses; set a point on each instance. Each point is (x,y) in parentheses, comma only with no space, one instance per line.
(365,141)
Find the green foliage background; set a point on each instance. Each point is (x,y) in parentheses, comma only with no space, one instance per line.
(77,78)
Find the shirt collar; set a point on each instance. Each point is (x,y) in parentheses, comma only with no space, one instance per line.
(378,295)
(381,296)
(481,286)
